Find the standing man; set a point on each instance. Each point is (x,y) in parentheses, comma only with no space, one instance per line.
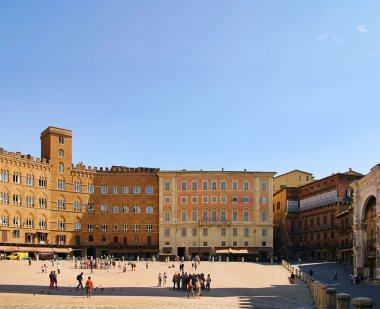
(80,279)
(208,282)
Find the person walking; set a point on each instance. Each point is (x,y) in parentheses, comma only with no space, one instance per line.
(190,288)
(292,278)
(208,282)
(80,279)
(58,268)
(335,277)
(51,278)
(198,287)
(89,287)
(164,279)
(159,280)
(55,279)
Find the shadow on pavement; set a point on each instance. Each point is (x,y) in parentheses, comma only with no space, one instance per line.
(293,296)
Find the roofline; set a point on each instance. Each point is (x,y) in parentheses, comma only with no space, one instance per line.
(296,170)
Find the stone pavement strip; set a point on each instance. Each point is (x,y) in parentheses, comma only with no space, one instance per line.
(233,285)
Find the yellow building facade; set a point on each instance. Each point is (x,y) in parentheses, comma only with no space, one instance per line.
(293,178)
(216,214)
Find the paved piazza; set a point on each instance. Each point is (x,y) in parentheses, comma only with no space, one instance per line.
(234,285)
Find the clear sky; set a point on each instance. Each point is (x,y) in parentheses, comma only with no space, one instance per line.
(207,84)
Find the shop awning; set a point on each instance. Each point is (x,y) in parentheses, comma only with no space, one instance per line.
(62,250)
(222,251)
(9,248)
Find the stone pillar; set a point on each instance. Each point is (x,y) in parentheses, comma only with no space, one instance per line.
(213,258)
(228,259)
(343,301)
(331,298)
(242,259)
(363,303)
(322,296)
(315,293)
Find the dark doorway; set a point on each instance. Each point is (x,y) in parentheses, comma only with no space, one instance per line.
(181,251)
(91,252)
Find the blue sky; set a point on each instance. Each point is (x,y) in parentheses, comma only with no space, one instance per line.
(261,85)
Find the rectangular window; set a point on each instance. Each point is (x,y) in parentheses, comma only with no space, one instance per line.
(246,232)
(264,232)
(115,228)
(77,226)
(90,188)
(204,199)
(42,182)
(30,180)
(234,185)
(90,227)
(245,199)
(214,199)
(167,216)
(167,185)
(246,215)
(124,189)
(104,227)
(234,232)
(149,209)
(115,210)
(205,216)
(61,185)
(136,190)
(167,232)
(223,185)
(183,200)
(61,205)
(77,206)
(183,232)
(245,186)
(234,199)
(115,190)
(263,185)
(234,215)
(205,231)
(213,185)
(77,187)
(125,209)
(194,231)
(264,216)
(214,215)
(223,243)
(61,168)
(194,185)
(103,189)
(167,200)
(204,185)
(149,189)
(194,199)
(104,208)
(263,200)
(125,228)
(223,216)
(223,199)
(149,228)
(42,224)
(91,207)
(194,215)
(136,209)
(183,185)
(184,216)
(223,231)
(61,140)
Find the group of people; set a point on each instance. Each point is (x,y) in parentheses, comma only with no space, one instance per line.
(195,284)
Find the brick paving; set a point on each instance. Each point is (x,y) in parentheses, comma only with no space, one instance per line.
(234,285)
